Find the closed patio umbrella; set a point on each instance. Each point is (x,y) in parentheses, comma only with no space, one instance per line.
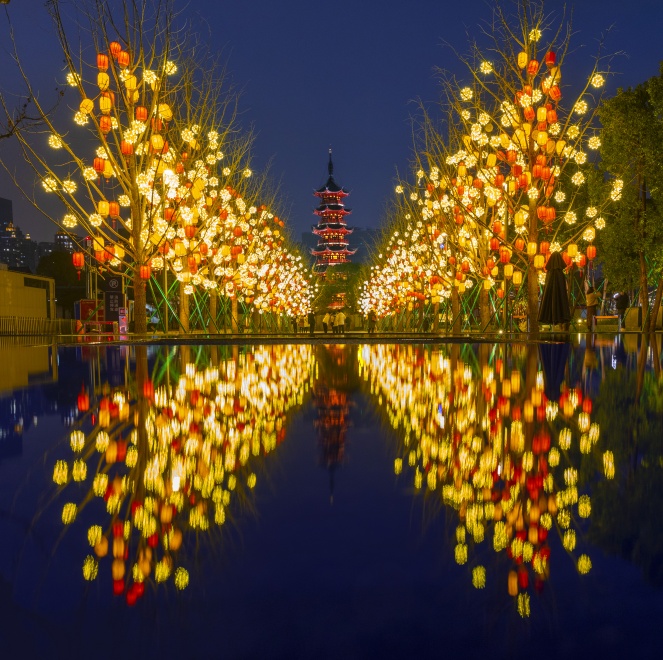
(554,306)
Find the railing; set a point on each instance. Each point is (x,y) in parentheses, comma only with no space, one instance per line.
(21,325)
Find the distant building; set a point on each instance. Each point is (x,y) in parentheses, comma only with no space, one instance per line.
(21,253)
(333,247)
(363,238)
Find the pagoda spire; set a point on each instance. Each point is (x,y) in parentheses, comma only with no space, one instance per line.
(330,167)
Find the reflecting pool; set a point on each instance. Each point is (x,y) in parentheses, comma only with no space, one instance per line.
(332,501)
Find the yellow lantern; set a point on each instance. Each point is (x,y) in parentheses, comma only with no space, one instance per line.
(517,277)
(130,83)
(541,113)
(513,583)
(108,170)
(103,81)
(508,271)
(572,250)
(528,411)
(532,248)
(86,106)
(559,147)
(539,261)
(105,105)
(522,59)
(157,142)
(487,285)
(103,208)
(515,382)
(542,138)
(491,161)
(165,112)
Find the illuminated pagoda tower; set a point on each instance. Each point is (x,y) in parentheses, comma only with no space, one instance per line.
(331,230)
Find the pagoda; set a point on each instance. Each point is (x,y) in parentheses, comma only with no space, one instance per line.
(332,231)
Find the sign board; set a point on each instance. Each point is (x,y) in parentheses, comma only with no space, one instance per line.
(123,320)
(113,296)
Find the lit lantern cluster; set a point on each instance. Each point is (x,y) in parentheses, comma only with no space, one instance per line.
(171,459)
(413,267)
(504,185)
(167,184)
(493,448)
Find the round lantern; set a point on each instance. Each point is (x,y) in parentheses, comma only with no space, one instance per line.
(591,252)
(539,261)
(78,259)
(532,67)
(555,93)
(505,255)
(123,58)
(99,164)
(115,48)
(86,106)
(522,59)
(145,272)
(105,126)
(102,61)
(532,248)
(519,244)
(494,243)
(140,113)
(190,231)
(126,148)
(544,248)
(103,81)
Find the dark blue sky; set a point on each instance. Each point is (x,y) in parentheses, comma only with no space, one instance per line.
(344,74)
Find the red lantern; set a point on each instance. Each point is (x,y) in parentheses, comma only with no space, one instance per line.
(99,165)
(555,93)
(105,125)
(533,67)
(83,401)
(550,58)
(490,262)
(140,113)
(544,248)
(529,113)
(591,252)
(102,61)
(567,259)
(497,227)
(100,255)
(465,266)
(477,183)
(148,389)
(193,266)
(551,116)
(520,244)
(582,261)
(190,231)
(511,156)
(123,58)
(113,209)
(145,272)
(498,182)
(505,255)
(115,48)
(516,170)
(157,124)
(204,249)
(494,243)
(237,231)
(500,293)
(452,261)
(126,148)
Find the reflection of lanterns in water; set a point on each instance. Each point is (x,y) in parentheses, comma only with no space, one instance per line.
(174,457)
(491,445)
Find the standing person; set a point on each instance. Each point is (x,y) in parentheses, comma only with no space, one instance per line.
(325,322)
(294,324)
(332,323)
(592,302)
(311,321)
(339,322)
(621,305)
(372,321)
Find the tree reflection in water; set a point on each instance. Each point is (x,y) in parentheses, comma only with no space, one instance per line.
(479,435)
(173,453)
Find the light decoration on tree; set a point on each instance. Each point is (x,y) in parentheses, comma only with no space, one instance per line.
(511,144)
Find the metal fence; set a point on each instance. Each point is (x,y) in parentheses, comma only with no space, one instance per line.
(20,325)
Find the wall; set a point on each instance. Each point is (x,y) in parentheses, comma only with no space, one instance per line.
(26,295)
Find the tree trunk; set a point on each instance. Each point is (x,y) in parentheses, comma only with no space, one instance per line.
(213,304)
(484,309)
(234,315)
(455,311)
(644,292)
(184,309)
(532,273)
(656,307)
(140,301)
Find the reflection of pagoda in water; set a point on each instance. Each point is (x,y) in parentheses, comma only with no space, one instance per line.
(332,403)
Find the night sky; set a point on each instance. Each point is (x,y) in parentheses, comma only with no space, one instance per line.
(343,74)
